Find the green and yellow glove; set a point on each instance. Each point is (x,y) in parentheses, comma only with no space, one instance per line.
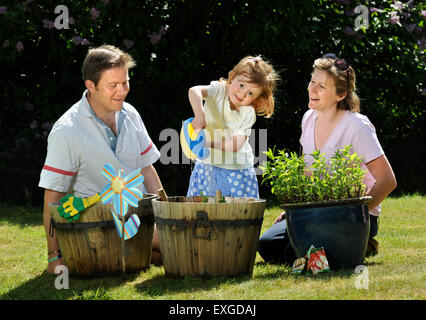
(72,206)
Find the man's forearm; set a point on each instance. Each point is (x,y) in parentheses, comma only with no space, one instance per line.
(151,179)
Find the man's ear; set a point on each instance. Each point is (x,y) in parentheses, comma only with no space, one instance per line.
(90,85)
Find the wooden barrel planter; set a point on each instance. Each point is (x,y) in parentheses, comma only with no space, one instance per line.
(92,246)
(340,226)
(208,239)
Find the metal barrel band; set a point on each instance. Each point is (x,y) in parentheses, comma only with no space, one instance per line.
(202,220)
(215,223)
(147,220)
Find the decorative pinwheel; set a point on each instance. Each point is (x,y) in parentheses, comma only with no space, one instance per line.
(122,191)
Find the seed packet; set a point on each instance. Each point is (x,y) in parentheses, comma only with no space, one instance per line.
(317,260)
(299,265)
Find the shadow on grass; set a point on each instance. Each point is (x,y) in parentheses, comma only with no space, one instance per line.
(42,287)
(24,216)
(161,285)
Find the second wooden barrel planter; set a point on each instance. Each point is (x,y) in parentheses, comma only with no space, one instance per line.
(91,246)
(208,238)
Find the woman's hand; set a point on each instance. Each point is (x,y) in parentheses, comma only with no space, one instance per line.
(280,217)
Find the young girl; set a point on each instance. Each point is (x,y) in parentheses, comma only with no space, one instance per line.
(227,116)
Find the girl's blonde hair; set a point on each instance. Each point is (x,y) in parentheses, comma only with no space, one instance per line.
(344,80)
(261,73)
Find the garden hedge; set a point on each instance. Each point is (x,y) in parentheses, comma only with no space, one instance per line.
(178,44)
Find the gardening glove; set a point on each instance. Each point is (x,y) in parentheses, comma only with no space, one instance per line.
(72,206)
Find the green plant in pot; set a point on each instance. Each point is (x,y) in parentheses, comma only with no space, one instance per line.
(325,205)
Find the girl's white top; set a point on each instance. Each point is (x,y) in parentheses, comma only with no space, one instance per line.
(224,123)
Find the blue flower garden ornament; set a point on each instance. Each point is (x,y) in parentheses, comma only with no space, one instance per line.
(193,145)
(122,191)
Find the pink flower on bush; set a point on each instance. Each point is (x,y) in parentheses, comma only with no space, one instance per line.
(346,2)
(48,24)
(19,46)
(424,13)
(422,43)
(94,13)
(410,27)
(410,4)
(3,10)
(394,18)
(79,40)
(397,5)
(155,37)
(349,31)
(350,13)
(128,43)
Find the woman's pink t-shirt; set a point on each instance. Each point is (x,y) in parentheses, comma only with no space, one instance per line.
(353,129)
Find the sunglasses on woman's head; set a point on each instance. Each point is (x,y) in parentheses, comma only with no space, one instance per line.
(341,64)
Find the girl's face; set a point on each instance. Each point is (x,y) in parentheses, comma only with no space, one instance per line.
(242,92)
(322,91)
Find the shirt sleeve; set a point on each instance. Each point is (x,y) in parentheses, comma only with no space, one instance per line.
(245,122)
(304,126)
(366,143)
(61,163)
(215,89)
(148,151)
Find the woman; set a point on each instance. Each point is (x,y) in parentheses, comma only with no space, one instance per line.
(332,122)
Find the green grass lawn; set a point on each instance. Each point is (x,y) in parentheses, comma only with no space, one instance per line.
(397,272)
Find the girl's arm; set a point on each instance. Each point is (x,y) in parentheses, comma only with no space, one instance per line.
(234,144)
(381,170)
(196,95)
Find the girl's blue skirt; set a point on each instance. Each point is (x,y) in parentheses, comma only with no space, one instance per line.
(206,179)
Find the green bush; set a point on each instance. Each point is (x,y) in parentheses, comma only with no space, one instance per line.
(292,182)
(178,44)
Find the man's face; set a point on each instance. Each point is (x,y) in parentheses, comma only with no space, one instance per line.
(111,90)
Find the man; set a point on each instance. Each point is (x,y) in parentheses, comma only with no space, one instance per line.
(100,128)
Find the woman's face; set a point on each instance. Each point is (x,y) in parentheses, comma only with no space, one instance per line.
(322,91)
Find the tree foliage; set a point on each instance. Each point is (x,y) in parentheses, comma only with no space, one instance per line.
(181,43)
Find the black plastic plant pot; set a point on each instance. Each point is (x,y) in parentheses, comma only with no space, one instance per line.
(340,226)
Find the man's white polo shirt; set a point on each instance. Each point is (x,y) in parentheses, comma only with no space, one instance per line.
(78,148)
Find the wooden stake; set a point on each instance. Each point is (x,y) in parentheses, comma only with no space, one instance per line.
(162,194)
(123,248)
(218,196)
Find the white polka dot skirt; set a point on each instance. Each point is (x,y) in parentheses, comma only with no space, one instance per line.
(207,179)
